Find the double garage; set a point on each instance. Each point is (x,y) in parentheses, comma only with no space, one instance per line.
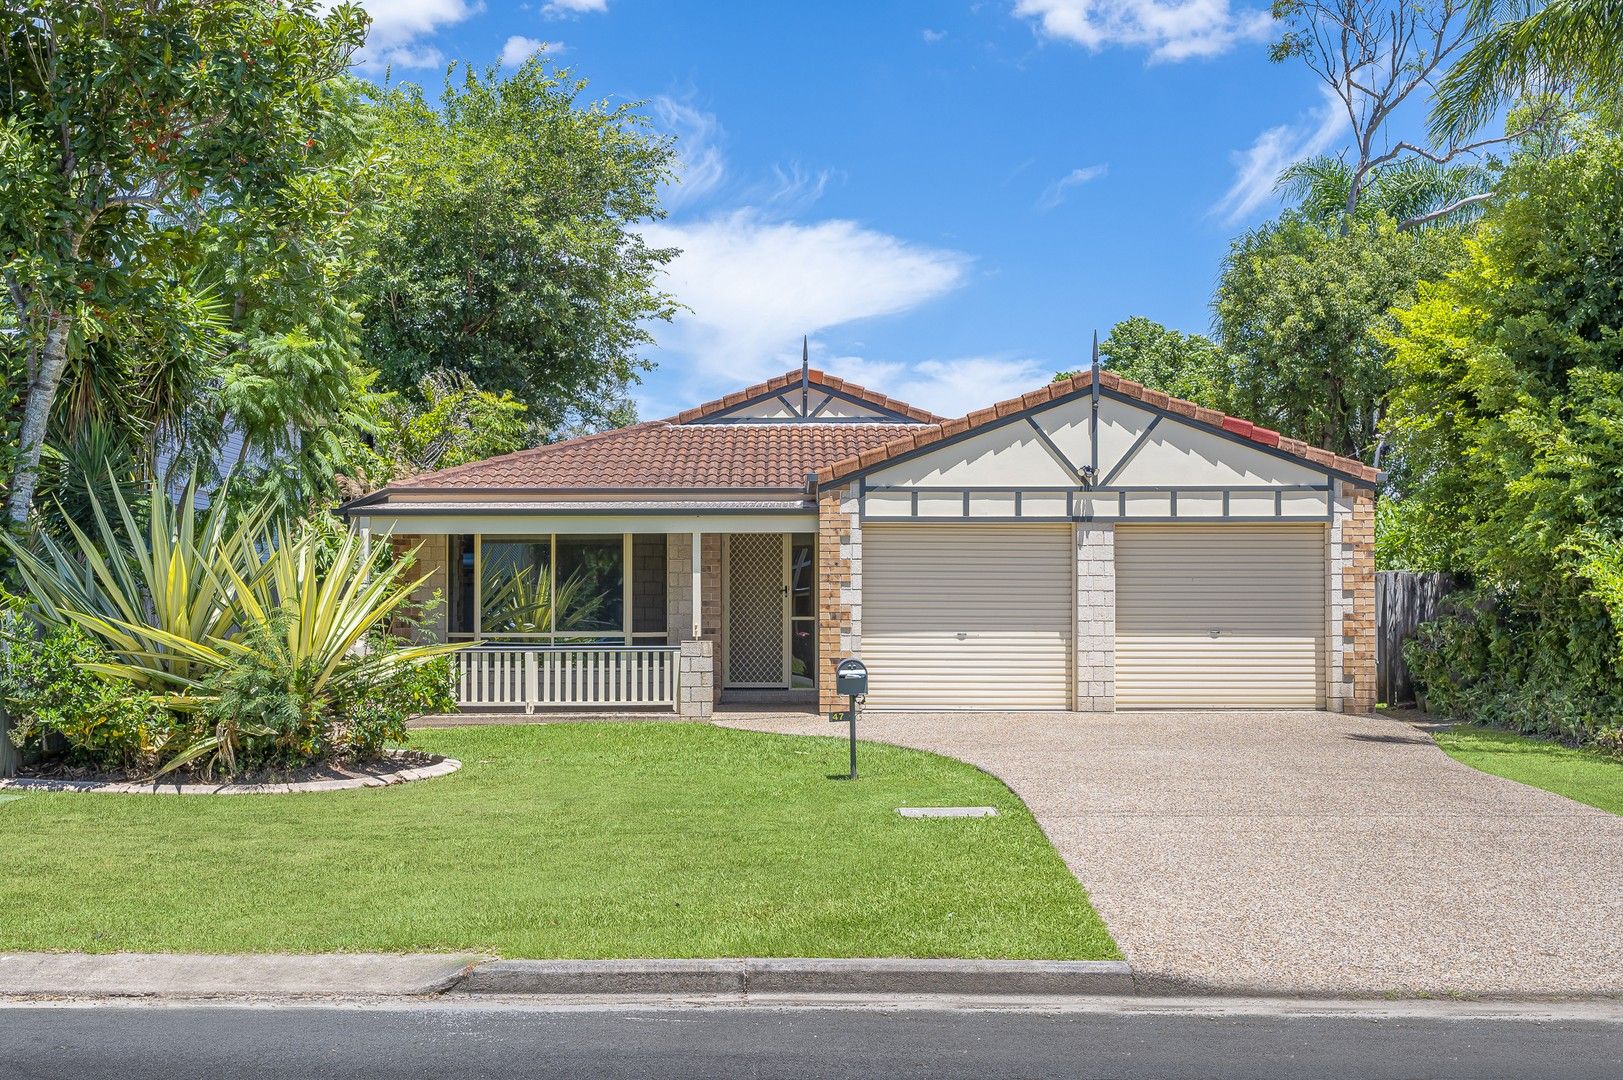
(985,617)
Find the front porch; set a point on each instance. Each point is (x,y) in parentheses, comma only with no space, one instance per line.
(635,623)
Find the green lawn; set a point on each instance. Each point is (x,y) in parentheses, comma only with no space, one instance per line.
(577,840)
(1582,775)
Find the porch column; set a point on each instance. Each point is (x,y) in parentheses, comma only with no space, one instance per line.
(696,631)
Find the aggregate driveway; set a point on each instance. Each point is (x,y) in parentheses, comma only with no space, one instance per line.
(1302,852)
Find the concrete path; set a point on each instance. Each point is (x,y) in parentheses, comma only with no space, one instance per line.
(185,975)
(1303,852)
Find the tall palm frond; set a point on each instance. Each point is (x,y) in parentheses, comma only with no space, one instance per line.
(1561,42)
(1406,191)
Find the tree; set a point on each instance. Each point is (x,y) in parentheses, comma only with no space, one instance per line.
(1188,366)
(509,252)
(1416,193)
(1563,42)
(1303,308)
(1509,414)
(120,122)
(1374,55)
(446,421)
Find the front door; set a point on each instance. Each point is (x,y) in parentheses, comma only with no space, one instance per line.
(758,610)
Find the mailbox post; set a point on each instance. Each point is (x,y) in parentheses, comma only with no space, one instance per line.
(851,679)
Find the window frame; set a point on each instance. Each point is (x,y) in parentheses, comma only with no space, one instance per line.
(626,637)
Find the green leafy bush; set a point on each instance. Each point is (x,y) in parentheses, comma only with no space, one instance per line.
(268,708)
(1486,662)
(60,707)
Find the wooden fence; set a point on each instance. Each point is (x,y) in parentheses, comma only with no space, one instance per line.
(1403,600)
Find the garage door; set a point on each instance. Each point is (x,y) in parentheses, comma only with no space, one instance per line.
(967,616)
(1228,616)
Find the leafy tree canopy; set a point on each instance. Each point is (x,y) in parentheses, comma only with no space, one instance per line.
(123,124)
(1509,407)
(1188,366)
(1303,307)
(509,252)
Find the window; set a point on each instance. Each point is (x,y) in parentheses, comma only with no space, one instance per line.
(461,620)
(562,589)
(803,611)
(516,596)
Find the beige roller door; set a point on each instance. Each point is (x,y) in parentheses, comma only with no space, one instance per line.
(967,616)
(1220,616)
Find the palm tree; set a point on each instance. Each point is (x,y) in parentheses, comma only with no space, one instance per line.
(1562,42)
(1413,192)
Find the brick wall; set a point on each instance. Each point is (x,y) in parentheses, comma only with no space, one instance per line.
(839,589)
(433,559)
(1352,600)
(1096,617)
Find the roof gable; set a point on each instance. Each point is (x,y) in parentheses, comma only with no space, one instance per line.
(1210,422)
(806,396)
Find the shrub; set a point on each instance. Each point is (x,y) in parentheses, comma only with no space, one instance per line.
(269,707)
(1484,662)
(60,707)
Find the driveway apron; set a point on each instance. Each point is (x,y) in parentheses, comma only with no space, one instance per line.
(1302,852)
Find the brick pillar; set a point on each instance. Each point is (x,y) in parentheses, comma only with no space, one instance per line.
(1096,617)
(696,680)
(839,588)
(712,626)
(1352,600)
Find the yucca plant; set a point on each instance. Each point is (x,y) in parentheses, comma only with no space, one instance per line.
(524,601)
(183,603)
(142,589)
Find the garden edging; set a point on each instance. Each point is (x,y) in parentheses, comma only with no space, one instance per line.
(443,767)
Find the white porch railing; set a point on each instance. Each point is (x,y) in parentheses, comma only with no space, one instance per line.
(589,675)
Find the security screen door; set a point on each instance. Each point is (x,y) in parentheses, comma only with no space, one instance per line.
(757,610)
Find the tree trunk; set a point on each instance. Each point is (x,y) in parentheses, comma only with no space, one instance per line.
(36,415)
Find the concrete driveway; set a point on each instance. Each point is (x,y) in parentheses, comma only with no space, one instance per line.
(1302,852)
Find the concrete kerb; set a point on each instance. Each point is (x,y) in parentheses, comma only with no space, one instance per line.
(180,975)
(983,978)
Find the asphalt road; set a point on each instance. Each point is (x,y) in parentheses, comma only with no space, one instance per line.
(309,1042)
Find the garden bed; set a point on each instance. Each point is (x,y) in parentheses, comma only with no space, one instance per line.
(394,767)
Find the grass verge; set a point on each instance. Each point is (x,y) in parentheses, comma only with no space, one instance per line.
(567,841)
(1582,775)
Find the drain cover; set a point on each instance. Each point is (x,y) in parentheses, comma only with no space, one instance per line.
(947,811)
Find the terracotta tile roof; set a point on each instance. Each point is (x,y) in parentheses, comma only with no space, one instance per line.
(915,437)
(660,454)
(790,380)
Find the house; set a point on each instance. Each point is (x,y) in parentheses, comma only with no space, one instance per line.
(1092,545)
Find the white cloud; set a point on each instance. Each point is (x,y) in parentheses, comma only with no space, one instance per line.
(701,164)
(1257,168)
(564,9)
(932,36)
(754,285)
(794,188)
(1055,193)
(397,24)
(520,48)
(1171,30)
(950,387)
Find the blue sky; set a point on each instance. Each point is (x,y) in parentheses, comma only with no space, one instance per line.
(949,197)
